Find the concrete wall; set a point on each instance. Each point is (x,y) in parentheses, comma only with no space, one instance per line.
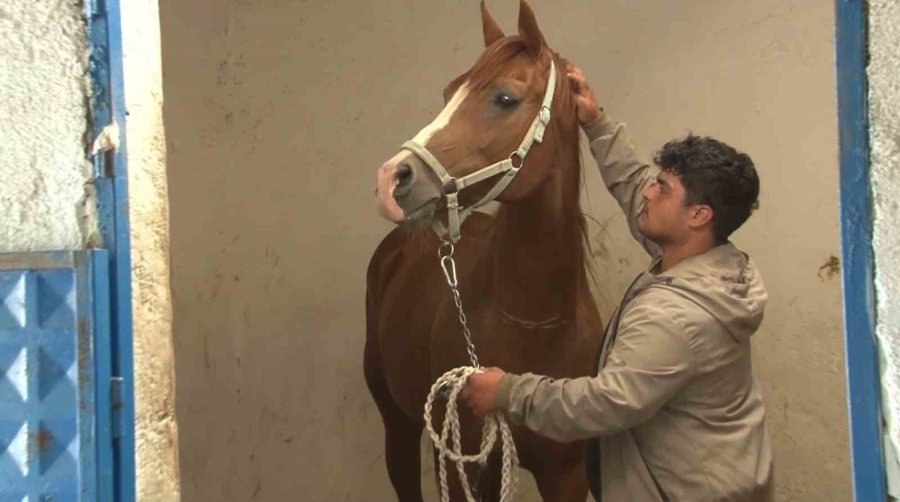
(156,455)
(277,115)
(884,99)
(44,199)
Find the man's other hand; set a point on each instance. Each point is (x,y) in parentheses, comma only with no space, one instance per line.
(585,100)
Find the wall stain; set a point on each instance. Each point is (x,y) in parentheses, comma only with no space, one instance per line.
(217,282)
(206,350)
(831,268)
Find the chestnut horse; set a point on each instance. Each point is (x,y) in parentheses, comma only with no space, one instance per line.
(521,272)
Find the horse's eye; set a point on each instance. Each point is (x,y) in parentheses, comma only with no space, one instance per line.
(505,101)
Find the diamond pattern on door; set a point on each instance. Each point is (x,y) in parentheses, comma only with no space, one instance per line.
(46,387)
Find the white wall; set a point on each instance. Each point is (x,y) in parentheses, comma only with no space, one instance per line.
(44,200)
(884,103)
(156,429)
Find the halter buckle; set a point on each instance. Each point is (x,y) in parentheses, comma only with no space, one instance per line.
(545,115)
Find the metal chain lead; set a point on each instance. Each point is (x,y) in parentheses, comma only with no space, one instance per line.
(449,267)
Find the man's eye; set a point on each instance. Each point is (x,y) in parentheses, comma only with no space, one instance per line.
(505,101)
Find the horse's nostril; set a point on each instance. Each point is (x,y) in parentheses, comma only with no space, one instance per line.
(404,174)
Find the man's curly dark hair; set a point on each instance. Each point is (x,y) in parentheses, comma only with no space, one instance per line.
(715,174)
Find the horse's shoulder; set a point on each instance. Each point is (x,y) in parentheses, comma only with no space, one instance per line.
(398,248)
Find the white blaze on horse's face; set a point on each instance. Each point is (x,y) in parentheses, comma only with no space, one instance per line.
(444,118)
(396,177)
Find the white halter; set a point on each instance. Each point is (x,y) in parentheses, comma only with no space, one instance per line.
(509,166)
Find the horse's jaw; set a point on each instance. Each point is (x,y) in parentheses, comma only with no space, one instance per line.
(423,216)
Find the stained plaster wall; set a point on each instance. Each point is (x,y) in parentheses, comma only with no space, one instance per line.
(156,430)
(278,114)
(884,101)
(45,201)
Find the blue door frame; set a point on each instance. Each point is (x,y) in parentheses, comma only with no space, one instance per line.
(861,348)
(111,183)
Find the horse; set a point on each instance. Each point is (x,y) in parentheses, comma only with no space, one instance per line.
(522,272)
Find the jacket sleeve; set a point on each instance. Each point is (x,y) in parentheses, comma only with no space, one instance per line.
(624,172)
(650,362)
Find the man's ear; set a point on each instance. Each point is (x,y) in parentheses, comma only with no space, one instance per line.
(700,214)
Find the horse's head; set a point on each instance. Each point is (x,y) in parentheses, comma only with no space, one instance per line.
(492,117)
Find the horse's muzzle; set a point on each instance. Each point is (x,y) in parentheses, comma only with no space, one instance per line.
(406,189)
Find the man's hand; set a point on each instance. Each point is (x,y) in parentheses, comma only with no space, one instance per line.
(480,394)
(585,101)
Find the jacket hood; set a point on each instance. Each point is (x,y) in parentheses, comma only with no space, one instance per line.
(724,282)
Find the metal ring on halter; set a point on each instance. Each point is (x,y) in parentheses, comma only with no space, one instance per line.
(516,155)
(445,245)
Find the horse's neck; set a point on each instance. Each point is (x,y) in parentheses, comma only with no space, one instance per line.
(537,262)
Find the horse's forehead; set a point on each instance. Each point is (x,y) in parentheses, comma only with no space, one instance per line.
(441,121)
(519,68)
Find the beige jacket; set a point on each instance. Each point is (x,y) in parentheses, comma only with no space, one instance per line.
(674,410)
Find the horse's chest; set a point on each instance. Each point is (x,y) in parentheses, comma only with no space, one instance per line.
(498,342)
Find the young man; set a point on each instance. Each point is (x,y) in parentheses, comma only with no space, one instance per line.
(674,412)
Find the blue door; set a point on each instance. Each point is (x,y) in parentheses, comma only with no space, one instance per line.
(55,385)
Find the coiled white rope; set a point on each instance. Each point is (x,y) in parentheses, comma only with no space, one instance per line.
(450,385)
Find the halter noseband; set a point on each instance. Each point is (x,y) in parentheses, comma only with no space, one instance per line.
(509,167)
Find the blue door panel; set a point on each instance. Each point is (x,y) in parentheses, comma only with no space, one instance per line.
(50,332)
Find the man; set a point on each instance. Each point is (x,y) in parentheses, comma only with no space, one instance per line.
(674,412)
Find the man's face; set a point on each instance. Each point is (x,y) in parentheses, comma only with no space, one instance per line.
(664,217)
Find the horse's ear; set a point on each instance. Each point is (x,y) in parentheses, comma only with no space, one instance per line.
(492,31)
(529,30)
